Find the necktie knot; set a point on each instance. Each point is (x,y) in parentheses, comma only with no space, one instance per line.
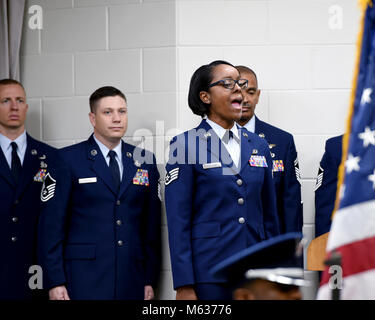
(14,146)
(112,154)
(227,136)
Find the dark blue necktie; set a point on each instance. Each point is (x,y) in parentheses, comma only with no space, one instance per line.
(16,162)
(115,170)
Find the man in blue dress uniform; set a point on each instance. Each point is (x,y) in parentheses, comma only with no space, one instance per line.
(24,163)
(326,185)
(100,225)
(284,155)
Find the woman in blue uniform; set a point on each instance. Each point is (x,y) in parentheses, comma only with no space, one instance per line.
(218,187)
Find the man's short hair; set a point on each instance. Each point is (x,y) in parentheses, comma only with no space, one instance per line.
(200,81)
(103,92)
(7,82)
(242,69)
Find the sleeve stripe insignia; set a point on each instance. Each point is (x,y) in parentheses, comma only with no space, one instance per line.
(48,189)
(171,176)
(319,178)
(296,167)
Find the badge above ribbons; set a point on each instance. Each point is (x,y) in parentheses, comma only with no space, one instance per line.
(258,161)
(141,178)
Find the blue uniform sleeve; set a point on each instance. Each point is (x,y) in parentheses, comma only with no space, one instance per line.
(151,234)
(52,229)
(292,204)
(270,217)
(179,190)
(325,192)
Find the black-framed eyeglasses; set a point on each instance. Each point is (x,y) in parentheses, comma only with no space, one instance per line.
(230,83)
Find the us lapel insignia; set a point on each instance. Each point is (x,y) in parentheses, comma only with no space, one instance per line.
(34,152)
(128,154)
(39,177)
(137,163)
(262,135)
(94,152)
(141,178)
(245,135)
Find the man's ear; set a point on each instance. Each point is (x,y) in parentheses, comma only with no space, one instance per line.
(92,119)
(205,97)
(258,95)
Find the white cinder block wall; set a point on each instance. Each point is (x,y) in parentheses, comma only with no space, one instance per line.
(302,51)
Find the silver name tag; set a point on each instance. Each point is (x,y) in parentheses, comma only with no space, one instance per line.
(212,165)
(87,180)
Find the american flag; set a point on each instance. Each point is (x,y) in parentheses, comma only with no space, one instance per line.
(352,233)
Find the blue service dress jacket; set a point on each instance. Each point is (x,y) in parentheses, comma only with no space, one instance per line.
(326,185)
(101,243)
(19,214)
(286,175)
(214,209)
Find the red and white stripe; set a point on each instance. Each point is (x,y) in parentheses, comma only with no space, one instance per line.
(353,236)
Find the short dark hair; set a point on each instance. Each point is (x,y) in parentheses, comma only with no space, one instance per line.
(242,69)
(200,81)
(103,92)
(7,82)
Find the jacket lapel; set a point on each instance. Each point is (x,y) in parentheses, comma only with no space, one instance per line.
(215,146)
(99,165)
(246,148)
(5,170)
(30,166)
(130,168)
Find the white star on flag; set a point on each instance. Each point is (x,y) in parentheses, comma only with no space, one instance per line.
(352,163)
(368,137)
(366,96)
(371,177)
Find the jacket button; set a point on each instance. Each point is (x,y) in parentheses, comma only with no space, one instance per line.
(239,182)
(120,243)
(14,239)
(15,219)
(118,202)
(119,222)
(240,201)
(241,220)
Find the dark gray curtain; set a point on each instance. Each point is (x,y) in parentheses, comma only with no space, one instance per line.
(11,19)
